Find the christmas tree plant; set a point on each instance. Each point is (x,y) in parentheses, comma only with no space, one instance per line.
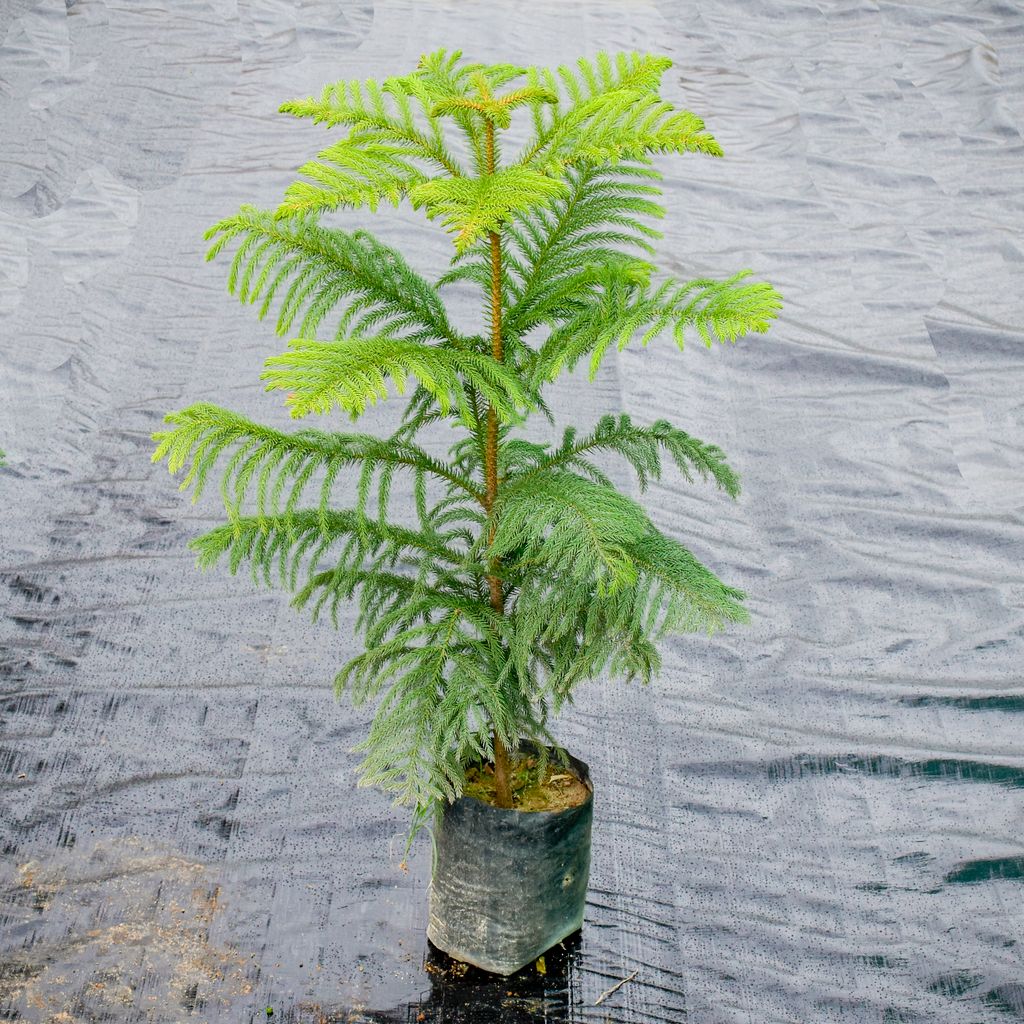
(521,571)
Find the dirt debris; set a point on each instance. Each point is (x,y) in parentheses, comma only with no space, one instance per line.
(135,925)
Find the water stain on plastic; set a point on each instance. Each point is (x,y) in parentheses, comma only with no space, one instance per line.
(986,870)
(1013,703)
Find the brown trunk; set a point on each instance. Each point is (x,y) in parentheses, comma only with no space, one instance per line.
(502,773)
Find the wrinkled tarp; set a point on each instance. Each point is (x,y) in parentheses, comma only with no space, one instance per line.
(817,818)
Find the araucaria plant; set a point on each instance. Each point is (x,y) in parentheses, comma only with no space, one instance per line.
(518,571)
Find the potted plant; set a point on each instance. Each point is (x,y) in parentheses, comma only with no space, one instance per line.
(518,571)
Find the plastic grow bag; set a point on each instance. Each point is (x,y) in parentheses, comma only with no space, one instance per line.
(508,885)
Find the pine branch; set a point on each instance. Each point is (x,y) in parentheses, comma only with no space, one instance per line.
(352,374)
(426,726)
(563,637)
(289,541)
(440,697)
(379,161)
(352,174)
(567,630)
(382,594)
(560,523)
(573,544)
(562,246)
(699,599)
(379,113)
(470,207)
(278,464)
(316,269)
(717,310)
(611,111)
(641,447)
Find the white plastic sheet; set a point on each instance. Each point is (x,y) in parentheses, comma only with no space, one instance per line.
(817,818)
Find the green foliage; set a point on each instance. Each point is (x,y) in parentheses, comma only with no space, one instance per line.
(471,207)
(610,110)
(527,571)
(269,465)
(351,374)
(309,270)
(564,633)
(619,308)
(568,526)
(641,447)
(562,248)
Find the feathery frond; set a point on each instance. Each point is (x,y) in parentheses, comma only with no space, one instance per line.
(470,207)
(639,446)
(352,374)
(352,174)
(609,110)
(565,248)
(310,270)
(621,308)
(289,542)
(280,466)
(436,711)
(380,113)
(565,524)
(388,150)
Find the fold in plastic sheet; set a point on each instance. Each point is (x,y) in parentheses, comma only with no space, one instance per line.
(817,818)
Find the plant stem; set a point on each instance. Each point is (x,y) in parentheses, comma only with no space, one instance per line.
(502,774)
